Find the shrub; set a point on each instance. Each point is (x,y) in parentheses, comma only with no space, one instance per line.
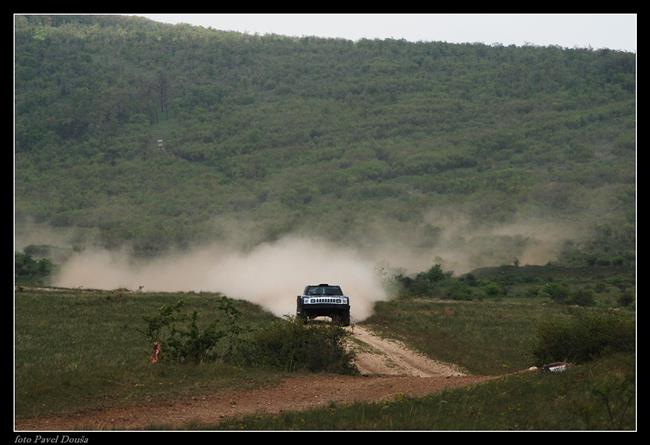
(584,338)
(424,283)
(434,274)
(470,279)
(582,297)
(493,290)
(557,292)
(193,344)
(458,290)
(289,345)
(626,298)
(292,345)
(190,343)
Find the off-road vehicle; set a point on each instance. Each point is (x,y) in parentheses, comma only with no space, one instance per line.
(324,300)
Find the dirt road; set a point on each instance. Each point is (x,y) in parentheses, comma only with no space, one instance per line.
(380,356)
(388,369)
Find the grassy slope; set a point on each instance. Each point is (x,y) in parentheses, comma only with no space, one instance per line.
(399,127)
(77,350)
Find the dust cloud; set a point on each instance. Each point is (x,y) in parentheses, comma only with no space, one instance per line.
(271,274)
(451,240)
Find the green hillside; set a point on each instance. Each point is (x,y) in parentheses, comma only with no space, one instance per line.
(156,135)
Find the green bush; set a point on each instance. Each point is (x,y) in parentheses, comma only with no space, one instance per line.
(289,345)
(559,293)
(193,344)
(458,290)
(494,290)
(582,297)
(183,342)
(584,338)
(292,345)
(423,283)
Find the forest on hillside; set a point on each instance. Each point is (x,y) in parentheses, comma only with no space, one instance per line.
(162,136)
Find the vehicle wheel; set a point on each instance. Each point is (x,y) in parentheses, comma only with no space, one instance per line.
(341,320)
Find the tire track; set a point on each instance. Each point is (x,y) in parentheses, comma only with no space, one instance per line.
(380,356)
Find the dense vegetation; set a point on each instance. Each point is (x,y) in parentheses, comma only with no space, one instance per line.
(32,271)
(585,338)
(582,286)
(154,135)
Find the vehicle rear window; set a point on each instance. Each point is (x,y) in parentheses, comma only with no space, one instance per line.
(325,290)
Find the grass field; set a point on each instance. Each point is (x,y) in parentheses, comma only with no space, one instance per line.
(77,350)
(485,337)
(83,349)
(596,396)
